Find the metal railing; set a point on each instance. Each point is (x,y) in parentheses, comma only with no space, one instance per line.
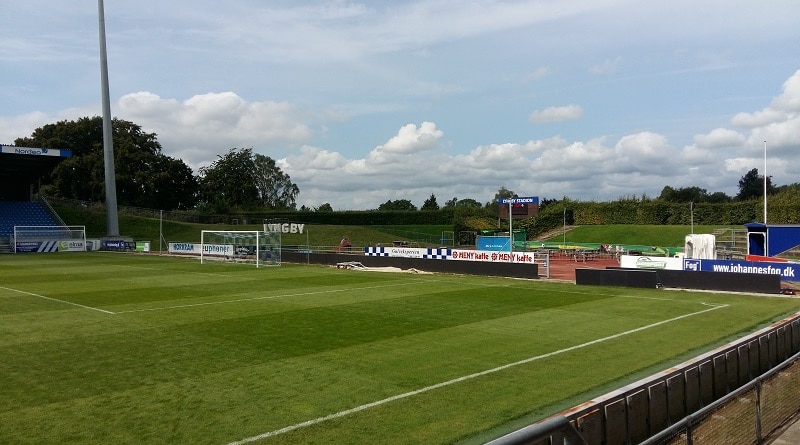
(749,415)
(739,393)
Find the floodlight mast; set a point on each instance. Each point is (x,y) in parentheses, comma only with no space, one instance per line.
(112,220)
(765,183)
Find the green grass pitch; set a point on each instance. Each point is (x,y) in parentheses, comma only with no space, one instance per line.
(132,349)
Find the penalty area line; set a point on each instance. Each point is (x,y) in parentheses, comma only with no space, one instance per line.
(58,301)
(366,406)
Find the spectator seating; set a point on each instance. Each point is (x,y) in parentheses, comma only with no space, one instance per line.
(16,213)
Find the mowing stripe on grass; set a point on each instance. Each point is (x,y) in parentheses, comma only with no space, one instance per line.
(57,300)
(366,406)
(270,297)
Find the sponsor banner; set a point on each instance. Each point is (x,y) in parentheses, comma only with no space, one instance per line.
(787,271)
(113,245)
(142,246)
(185,248)
(35,151)
(217,249)
(284,228)
(441,253)
(492,256)
(36,246)
(71,246)
(494,243)
(650,262)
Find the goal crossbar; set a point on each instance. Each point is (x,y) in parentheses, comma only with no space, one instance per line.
(240,246)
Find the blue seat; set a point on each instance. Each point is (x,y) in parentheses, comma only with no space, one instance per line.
(16,213)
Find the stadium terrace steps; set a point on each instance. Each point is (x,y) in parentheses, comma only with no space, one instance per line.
(16,213)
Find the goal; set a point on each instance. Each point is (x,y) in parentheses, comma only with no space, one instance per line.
(48,239)
(241,246)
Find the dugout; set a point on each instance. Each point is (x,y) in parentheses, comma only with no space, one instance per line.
(771,240)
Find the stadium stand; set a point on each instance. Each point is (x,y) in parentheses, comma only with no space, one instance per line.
(13,213)
(21,168)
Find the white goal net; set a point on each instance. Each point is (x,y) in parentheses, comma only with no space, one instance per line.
(49,239)
(241,246)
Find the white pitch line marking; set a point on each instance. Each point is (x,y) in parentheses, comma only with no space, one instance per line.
(270,297)
(58,301)
(366,406)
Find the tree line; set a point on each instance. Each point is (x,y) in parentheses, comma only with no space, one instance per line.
(146,177)
(243,181)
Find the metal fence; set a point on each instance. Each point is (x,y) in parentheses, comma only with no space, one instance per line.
(749,415)
(739,393)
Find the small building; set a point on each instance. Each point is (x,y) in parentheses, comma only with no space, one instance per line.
(771,240)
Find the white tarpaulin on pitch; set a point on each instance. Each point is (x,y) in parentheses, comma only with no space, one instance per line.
(701,247)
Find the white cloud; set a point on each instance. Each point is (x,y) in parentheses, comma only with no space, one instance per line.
(204,126)
(789,100)
(556,114)
(720,138)
(757,119)
(409,140)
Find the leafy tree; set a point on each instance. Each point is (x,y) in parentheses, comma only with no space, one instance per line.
(503,192)
(400,204)
(544,202)
(751,186)
(145,177)
(325,208)
(430,203)
(243,180)
(275,188)
(718,197)
(684,194)
(228,182)
(468,202)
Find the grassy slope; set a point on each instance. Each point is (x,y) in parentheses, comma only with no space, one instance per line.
(665,236)
(328,235)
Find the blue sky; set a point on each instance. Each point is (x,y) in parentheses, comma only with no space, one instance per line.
(362,102)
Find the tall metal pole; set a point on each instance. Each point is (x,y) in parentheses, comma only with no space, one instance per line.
(510,232)
(766,232)
(765,183)
(112,221)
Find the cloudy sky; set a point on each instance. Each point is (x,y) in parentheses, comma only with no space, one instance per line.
(366,101)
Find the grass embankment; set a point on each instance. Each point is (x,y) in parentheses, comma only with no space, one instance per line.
(141,228)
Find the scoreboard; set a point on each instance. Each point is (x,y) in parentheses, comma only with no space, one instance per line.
(520,208)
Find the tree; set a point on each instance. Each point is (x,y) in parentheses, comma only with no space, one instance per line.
(228,182)
(144,176)
(325,208)
(451,202)
(275,188)
(718,197)
(468,202)
(751,186)
(430,203)
(400,204)
(683,194)
(243,180)
(503,192)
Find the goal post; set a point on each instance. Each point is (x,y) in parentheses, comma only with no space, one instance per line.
(48,239)
(241,246)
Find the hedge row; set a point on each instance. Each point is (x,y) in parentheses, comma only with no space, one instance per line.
(659,213)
